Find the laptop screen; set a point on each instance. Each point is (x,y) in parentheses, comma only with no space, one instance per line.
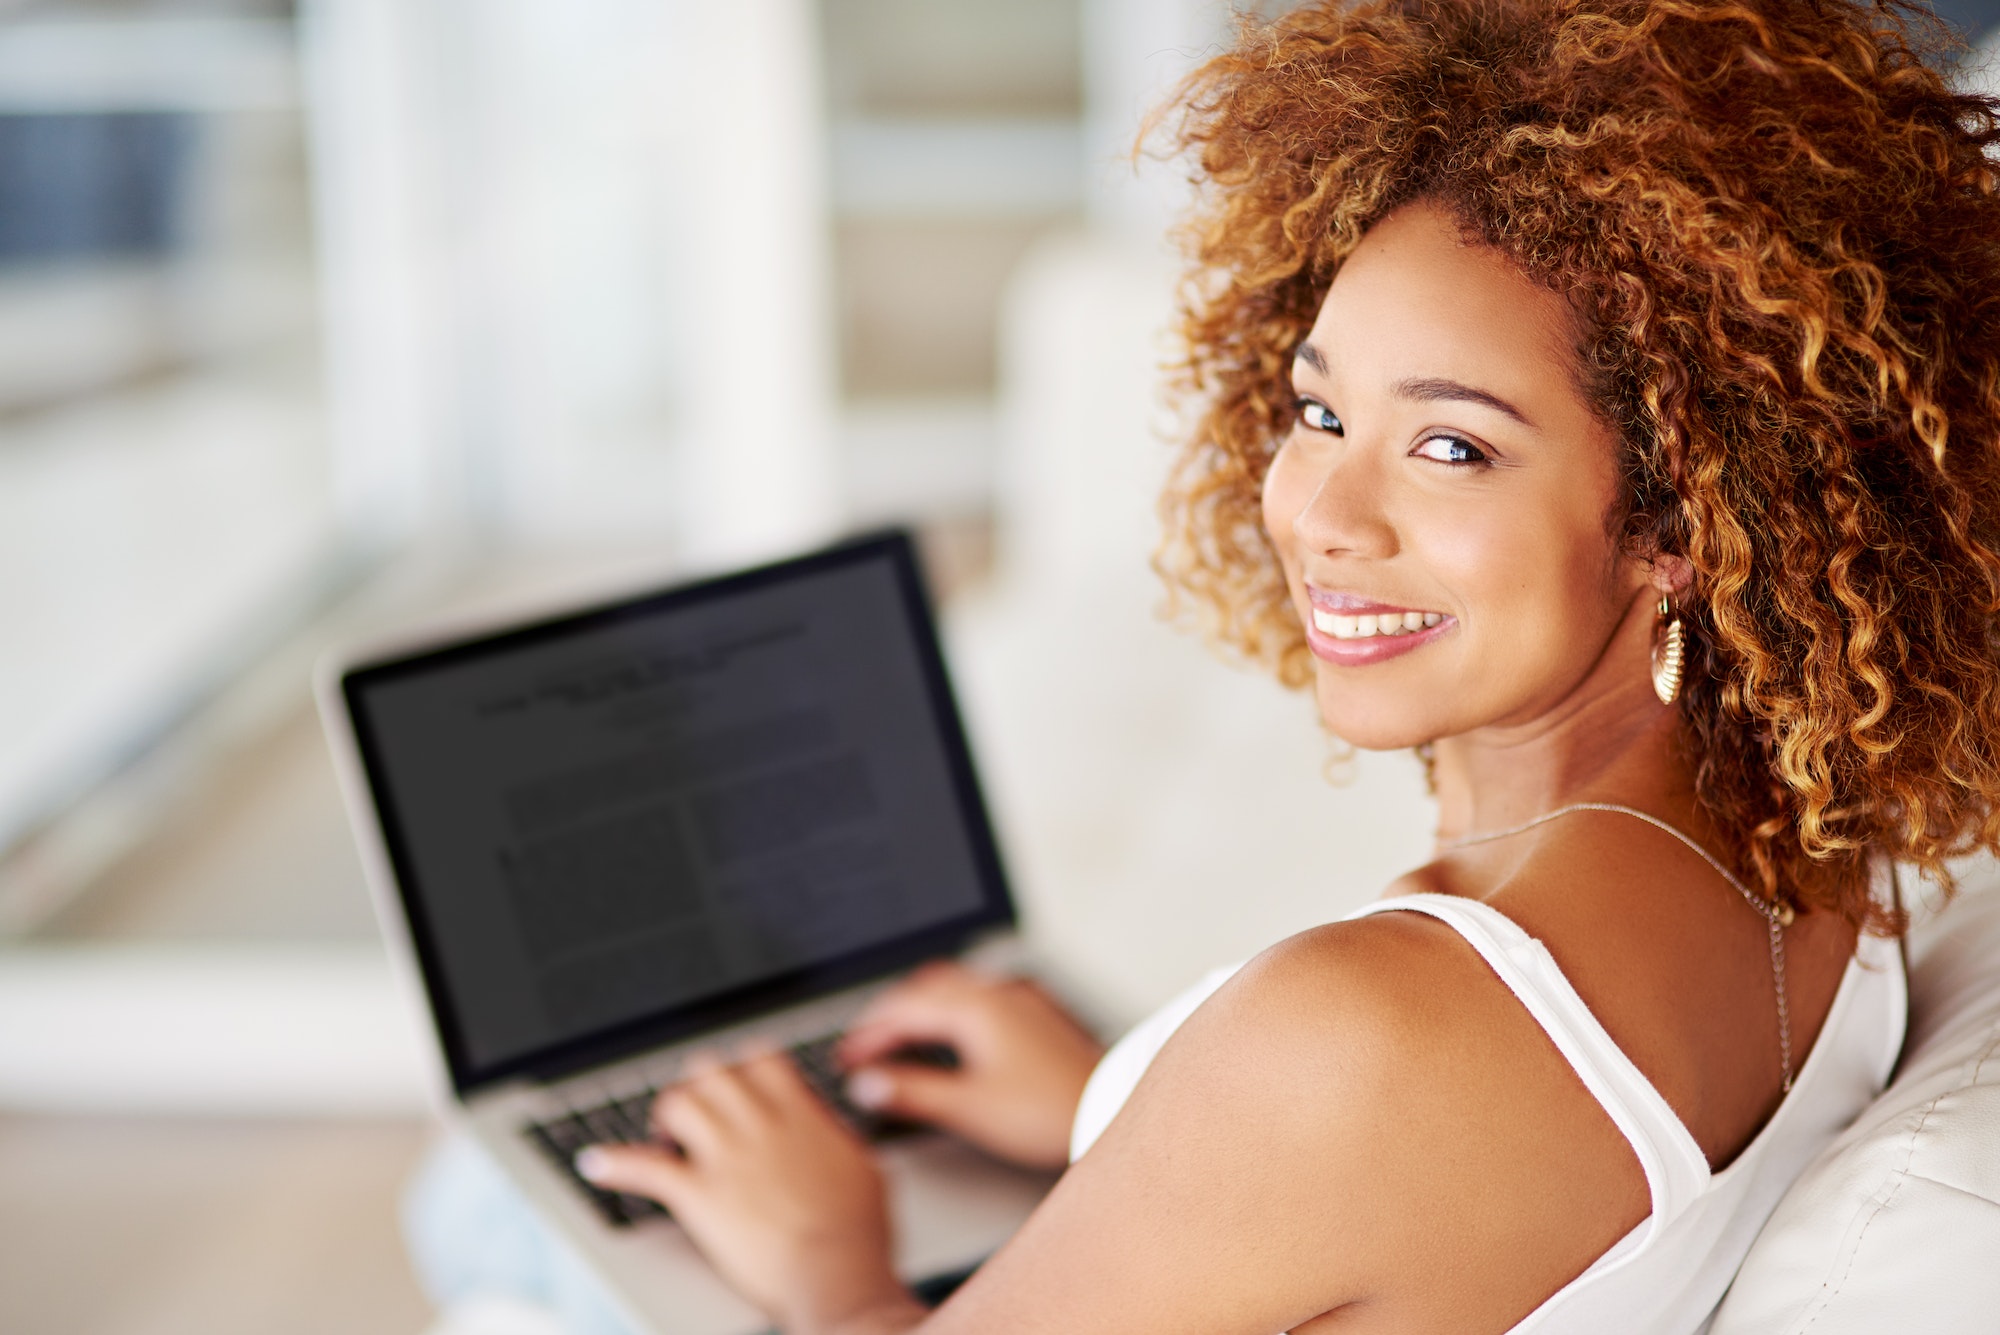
(644,820)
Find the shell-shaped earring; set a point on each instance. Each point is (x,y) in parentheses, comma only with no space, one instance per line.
(1669,655)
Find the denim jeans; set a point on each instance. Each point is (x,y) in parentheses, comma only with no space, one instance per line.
(471,1235)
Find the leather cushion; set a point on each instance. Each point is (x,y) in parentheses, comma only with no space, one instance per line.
(1896,1226)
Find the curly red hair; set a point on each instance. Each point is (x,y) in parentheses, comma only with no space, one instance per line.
(1779,227)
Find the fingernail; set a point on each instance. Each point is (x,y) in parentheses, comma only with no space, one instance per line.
(869,1089)
(592,1163)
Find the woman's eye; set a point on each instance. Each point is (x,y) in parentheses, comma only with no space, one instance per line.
(1318,417)
(1450,450)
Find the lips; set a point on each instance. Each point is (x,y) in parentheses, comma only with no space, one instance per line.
(1353,631)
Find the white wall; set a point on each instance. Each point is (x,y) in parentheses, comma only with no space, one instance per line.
(578,268)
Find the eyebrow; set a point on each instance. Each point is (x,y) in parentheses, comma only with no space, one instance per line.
(1427,389)
(1434,390)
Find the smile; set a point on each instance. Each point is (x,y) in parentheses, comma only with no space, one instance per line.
(1350,631)
(1361,627)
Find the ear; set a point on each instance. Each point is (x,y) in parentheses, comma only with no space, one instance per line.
(1670,575)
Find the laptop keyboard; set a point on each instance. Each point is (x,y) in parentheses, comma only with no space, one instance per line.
(626,1121)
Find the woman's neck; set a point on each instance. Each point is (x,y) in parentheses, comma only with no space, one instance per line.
(1611,745)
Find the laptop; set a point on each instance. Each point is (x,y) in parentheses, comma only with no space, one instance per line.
(736,808)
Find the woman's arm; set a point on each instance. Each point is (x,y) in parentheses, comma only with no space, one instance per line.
(1364,1121)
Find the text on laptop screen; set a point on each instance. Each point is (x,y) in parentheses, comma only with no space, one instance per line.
(623,815)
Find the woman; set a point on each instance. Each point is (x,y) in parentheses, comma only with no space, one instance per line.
(1602,396)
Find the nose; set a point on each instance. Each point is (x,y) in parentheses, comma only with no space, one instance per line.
(1344,505)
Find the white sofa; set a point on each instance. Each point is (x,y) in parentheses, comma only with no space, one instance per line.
(1896,1227)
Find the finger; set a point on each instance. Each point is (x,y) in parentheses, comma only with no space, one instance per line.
(779,1082)
(686,1117)
(696,1064)
(726,1092)
(916,1092)
(642,1170)
(945,1014)
(756,1059)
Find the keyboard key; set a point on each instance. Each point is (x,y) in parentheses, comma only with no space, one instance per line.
(560,1140)
(637,1115)
(629,1121)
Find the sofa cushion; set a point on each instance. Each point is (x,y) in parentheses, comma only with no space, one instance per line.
(1896,1226)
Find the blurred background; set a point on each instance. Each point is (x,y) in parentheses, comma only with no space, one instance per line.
(322,318)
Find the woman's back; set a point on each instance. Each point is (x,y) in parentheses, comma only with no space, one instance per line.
(1665,1269)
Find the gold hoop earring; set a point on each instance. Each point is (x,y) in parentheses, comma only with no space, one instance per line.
(1669,655)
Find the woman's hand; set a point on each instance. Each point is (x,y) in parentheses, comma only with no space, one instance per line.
(1022,1061)
(776,1191)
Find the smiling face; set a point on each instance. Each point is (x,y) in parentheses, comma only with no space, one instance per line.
(1442,503)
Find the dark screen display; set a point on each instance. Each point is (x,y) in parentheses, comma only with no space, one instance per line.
(633,812)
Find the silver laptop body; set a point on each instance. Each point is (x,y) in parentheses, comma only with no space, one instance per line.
(601,841)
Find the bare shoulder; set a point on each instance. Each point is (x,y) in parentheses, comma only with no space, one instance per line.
(1400,976)
(1389,1027)
(1362,1109)
(1340,1010)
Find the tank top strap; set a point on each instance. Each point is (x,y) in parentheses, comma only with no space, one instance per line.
(1676,1170)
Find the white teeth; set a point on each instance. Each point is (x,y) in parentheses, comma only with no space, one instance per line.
(1365,627)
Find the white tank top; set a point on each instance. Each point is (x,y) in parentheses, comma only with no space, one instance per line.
(1665,1276)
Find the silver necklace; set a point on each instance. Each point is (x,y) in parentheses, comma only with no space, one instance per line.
(1776,916)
